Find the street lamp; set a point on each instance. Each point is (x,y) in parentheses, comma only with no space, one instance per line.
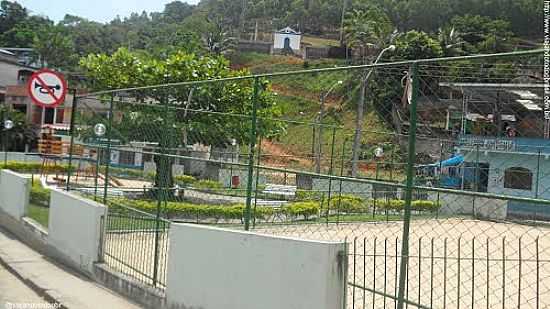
(320,126)
(6,126)
(99,131)
(360,113)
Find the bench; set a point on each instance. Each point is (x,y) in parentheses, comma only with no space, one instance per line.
(282,190)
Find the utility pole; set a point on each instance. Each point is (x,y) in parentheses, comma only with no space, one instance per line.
(360,114)
(344,3)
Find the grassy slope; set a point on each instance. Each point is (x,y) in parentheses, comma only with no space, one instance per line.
(299,96)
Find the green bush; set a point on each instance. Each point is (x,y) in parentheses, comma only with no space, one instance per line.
(399,205)
(207,185)
(184,180)
(305,209)
(348,204)
(193,211)
(39,195)
(35,167)
(307,195)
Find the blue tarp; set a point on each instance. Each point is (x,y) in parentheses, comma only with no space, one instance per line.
(453,161)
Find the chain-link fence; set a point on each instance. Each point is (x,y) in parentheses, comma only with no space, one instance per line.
(433,171)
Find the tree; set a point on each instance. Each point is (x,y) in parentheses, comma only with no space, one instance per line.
(371,28)
(198,114)
(11,13)
(55,48)
(482,34)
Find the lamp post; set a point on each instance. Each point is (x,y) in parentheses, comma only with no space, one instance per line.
(360,113)
(99,131)
(320,125)
(7,125)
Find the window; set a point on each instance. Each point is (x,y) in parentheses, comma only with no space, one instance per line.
(127,158)
(518,178)
(49,115)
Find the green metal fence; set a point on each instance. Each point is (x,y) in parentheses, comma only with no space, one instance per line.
(440,191)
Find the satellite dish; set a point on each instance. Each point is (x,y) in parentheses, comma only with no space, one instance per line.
(100,129)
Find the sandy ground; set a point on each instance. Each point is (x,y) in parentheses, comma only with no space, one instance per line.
(453,263)
(471,264)
(134,254)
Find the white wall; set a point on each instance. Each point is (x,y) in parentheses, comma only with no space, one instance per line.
(455,204)
(348,187)
(279,41)
(212,268)
(74,227)
(14,193)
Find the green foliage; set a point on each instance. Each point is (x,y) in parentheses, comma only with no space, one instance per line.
(416,45)
(349,204)
(194,211)
(207,185)
(399,205)
(301,209)
(34,167)
(39,195)
(184,180)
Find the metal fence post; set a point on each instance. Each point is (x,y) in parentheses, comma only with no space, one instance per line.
(252,145)
(108,155)
(71,146)
(258,170)
(409,187)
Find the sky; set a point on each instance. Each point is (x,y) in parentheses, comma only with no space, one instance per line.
(97,10)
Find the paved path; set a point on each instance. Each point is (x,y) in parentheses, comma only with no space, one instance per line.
(52,281)
(13,290)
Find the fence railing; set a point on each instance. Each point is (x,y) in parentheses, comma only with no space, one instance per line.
(135,243)
(214,146)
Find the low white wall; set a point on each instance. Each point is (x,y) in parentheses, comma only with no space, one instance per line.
(21,157)
(455,204)
(75,227)
(348,187)
(211,268)
(14,193)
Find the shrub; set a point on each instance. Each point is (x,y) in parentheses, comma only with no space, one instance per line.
(193,211)
(305,195)
(39,195)
(207,185)
(348,204)
(399,205)
(305,209)
(34,167)
(184,180)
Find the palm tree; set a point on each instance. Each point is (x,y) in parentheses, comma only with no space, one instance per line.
(366,29)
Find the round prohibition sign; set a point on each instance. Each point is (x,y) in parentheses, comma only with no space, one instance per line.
(47,88)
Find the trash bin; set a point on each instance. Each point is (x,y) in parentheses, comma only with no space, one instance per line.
(235,182)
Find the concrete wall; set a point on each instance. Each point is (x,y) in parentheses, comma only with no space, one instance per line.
(212,268)
(500,161)
(14,193)
(348,187)
(454,204)
(21,157)
(75,228)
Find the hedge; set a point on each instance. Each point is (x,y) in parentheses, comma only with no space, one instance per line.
(349,203)
(305,209)
(34,167)
(184,180)
(399,205)
(39,195)
(188,210)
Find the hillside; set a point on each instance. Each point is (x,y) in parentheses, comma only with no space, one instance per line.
(299,95)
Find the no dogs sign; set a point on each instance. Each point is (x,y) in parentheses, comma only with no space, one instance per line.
(47,88)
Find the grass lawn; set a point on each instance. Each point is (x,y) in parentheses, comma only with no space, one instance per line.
(39,214)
